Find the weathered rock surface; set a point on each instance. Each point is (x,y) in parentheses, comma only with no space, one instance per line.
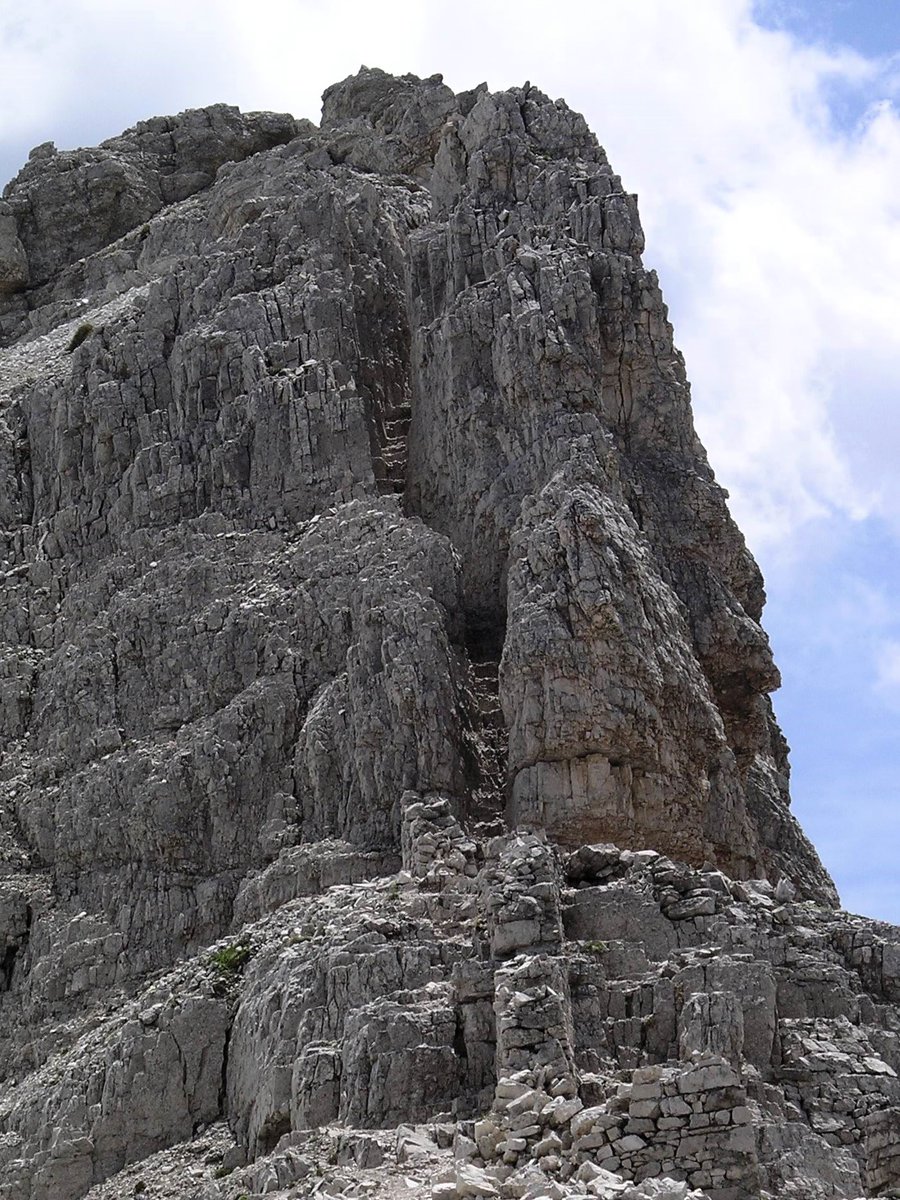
(390,797)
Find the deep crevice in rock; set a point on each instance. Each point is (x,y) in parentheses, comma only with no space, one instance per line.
(488,737)
(391,433)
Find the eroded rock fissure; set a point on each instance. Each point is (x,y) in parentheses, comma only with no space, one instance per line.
(490,737)
(393,449)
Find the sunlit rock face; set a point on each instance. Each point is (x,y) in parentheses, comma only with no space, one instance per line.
(384,706)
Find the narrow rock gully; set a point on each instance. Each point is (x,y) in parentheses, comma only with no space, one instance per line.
(393,449)
(488,736)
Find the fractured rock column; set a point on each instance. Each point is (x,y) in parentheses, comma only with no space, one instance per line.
(520,896)
(534,1018)
(614,734)
(712,1022)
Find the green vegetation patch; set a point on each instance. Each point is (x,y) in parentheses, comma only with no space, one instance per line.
(596,947)
(231,959)
(81,333)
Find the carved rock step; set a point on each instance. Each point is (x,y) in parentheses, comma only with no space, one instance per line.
(391,465)
(491,738)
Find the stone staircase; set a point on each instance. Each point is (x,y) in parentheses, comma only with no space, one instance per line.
(390,465)
(491,741)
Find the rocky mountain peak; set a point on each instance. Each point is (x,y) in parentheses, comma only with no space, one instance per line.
(391,798)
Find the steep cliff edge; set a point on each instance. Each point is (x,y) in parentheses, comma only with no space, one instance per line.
(364,581)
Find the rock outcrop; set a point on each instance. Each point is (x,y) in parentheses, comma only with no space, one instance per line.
(390,797)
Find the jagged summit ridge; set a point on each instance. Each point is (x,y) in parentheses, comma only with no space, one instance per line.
(491,338)
(353,518)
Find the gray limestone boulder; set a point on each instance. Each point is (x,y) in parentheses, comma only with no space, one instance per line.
(69,204)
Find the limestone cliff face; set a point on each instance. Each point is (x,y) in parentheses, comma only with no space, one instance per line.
(433,299)
(351,511)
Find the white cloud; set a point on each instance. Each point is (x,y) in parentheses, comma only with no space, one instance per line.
(29,57)
(888,665)
(77,72)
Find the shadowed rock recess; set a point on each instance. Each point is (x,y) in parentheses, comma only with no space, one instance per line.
(390,798)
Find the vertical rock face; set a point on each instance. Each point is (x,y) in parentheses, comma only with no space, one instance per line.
(352,518)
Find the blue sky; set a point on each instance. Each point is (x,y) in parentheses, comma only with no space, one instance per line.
(763,140)
(870,26)
(840,704)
